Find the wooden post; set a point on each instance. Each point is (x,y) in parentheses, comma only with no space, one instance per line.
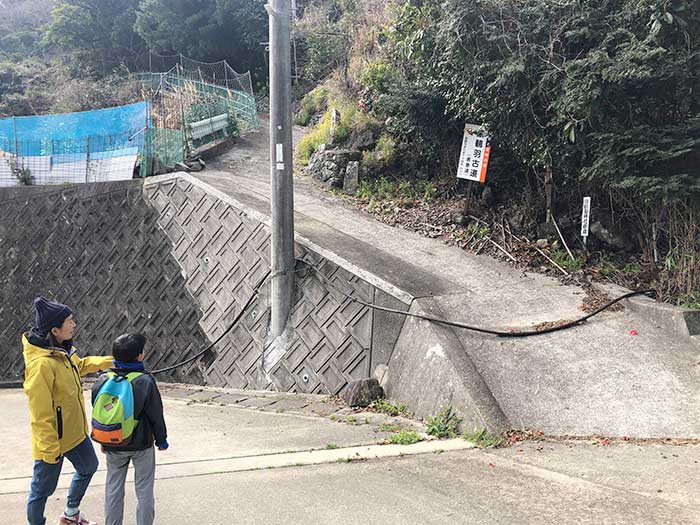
(468,201)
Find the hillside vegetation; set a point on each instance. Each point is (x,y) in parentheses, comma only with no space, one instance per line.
(595,98)
(73,55)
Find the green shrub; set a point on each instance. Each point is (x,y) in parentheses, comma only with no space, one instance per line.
(322,133)
(484,439)
(607,91)
(691,301)
(405,437)
(313,103)
(416,115)
(322,39)
(562,258)
(444,424)
(310,143)
(377,78)
(386,407)
(382,157)
(383,188)
(24,176)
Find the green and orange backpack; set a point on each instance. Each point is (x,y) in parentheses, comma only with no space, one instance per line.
(113,419)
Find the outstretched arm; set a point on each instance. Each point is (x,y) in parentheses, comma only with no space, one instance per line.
(91,364)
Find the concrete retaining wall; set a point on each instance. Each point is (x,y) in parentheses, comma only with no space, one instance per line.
(431,369)
(99,248)
(178,261)
(224,248)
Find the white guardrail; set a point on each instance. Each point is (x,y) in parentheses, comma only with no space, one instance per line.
(208,126)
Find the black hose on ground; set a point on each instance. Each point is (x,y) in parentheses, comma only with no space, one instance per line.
(456,324)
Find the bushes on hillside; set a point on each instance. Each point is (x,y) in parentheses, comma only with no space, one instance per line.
(600,97)
(601,90)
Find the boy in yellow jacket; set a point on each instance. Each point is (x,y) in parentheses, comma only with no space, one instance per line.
(57,410)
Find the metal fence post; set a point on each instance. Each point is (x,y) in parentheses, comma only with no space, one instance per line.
(87,160)
(14,132)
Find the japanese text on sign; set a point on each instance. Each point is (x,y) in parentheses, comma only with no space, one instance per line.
(474,159)
(585,216)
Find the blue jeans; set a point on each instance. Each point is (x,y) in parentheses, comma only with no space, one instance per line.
(46,475)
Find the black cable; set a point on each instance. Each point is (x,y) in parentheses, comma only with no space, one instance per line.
(456,324)
(212,345)
(464,326)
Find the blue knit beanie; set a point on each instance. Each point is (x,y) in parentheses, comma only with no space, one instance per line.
(49,314)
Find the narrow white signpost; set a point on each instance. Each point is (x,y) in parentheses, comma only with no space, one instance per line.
(585,218)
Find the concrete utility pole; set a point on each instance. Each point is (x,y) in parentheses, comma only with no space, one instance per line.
(281,184)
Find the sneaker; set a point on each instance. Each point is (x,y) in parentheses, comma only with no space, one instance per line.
(78,519)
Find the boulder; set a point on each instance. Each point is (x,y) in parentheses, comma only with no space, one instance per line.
(611,236)
(365,138)
(362,393)
(330,165)
(335,182)
(329,170)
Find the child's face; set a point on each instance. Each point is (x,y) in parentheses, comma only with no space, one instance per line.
(141,356)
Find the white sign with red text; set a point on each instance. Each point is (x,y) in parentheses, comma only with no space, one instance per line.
(474,160)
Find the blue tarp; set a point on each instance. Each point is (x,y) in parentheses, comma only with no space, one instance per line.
(106,129)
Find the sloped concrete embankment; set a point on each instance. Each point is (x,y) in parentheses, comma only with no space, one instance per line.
(622,374)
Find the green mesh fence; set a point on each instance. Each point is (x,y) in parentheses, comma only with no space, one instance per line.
(192,105)
(241,104)
(163,148)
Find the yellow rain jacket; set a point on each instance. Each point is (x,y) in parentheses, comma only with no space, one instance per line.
(56,407)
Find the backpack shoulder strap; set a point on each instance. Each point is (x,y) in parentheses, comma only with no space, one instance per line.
(133,375)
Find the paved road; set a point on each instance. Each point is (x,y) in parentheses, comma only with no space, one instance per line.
(225,467)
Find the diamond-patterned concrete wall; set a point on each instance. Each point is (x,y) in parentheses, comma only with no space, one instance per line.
(179,263)
(224,254)
(99,249)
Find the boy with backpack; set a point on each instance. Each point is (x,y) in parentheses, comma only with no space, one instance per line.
(127,419)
